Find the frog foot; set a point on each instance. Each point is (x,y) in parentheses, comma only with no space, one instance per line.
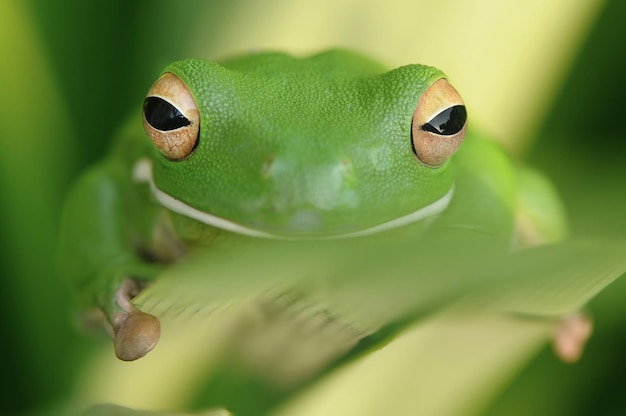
(571,335)
(135,333)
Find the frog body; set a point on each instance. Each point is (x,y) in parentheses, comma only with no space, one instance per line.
(269,146)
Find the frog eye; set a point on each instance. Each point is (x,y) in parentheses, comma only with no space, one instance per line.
(171,117)
(439,124)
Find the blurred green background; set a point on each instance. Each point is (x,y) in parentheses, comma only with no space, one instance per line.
(73,71)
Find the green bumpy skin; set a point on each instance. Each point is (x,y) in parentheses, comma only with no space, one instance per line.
(293,148)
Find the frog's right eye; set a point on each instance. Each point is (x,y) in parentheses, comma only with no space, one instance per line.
(171,117)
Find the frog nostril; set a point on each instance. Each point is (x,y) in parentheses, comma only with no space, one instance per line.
(346,169)
(267,166)
(346,166)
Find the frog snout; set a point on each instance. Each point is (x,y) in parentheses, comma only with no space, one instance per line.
(305,190)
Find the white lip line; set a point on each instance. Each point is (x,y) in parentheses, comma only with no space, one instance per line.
(142,173)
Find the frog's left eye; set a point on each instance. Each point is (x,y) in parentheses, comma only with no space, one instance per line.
(439,124)
(171,117)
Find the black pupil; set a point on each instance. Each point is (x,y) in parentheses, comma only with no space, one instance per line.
(162,115)
(450,121)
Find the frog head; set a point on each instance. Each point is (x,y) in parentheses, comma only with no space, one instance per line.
(324,147)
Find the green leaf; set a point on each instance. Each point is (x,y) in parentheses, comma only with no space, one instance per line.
(390,328)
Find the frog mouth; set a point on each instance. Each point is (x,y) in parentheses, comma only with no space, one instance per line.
(142,173)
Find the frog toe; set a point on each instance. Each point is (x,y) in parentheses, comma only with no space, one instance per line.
(135,334)
(571,335)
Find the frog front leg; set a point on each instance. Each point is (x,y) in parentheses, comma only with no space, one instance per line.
(108,252)
(540,219)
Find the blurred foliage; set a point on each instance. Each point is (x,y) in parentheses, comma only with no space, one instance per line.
(582,145)
(74,70)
